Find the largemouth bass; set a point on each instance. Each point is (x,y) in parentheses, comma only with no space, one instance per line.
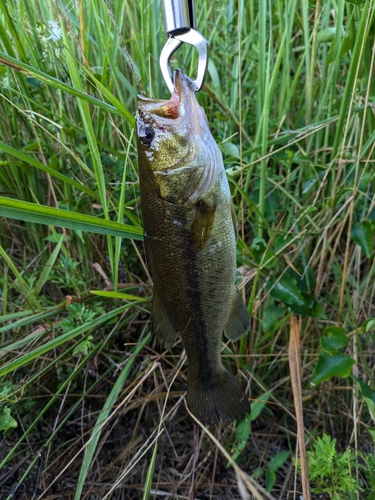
(190,240)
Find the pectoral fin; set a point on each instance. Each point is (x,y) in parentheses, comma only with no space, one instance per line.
(161,324)
(202,225)
(238,321)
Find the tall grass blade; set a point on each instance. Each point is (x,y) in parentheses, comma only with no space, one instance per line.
(43,277)
(23,210)
(20,283)
(44,168)
(365,23)
(150,475)
(28,70)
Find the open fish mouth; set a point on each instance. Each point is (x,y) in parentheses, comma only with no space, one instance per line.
(182,103)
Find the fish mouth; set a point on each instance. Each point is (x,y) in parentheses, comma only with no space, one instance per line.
(182,101)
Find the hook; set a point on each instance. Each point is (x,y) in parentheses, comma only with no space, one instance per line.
(179,19)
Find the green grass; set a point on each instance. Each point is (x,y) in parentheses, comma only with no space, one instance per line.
(86,399)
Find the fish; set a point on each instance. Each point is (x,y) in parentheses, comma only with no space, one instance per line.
(190,233)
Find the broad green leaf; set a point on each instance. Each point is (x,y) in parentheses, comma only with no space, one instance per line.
(308,184)
(215,78)
(34,82)
(318,311)
(334,338)
(278,460)
(331,365)
(306,283)
(368,395)
(230,149)
(257,473)
(367,326)
(259,252)
(271,315)
(286,290)
(257,248)
(270,479)
(6,420)
(258,405)
(363,235)
(41,214)
(281,241)
(326,35)
(243,433)
(34,145)
(308,305)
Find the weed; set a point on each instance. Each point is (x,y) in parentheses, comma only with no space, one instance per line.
(334,473)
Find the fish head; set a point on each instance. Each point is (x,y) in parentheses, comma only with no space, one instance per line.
(175,143)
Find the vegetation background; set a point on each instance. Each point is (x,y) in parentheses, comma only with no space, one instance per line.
(90,407)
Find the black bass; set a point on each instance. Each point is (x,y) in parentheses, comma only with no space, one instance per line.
(190,240)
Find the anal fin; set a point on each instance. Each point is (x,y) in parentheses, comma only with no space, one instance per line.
(161,324)
(238,321)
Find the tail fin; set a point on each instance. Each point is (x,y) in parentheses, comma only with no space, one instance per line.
(220,400)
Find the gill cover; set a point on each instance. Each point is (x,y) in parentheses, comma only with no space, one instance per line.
(175,142)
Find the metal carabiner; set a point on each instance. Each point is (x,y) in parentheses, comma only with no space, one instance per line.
(179,19)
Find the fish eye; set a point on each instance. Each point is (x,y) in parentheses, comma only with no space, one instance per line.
(148,136)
